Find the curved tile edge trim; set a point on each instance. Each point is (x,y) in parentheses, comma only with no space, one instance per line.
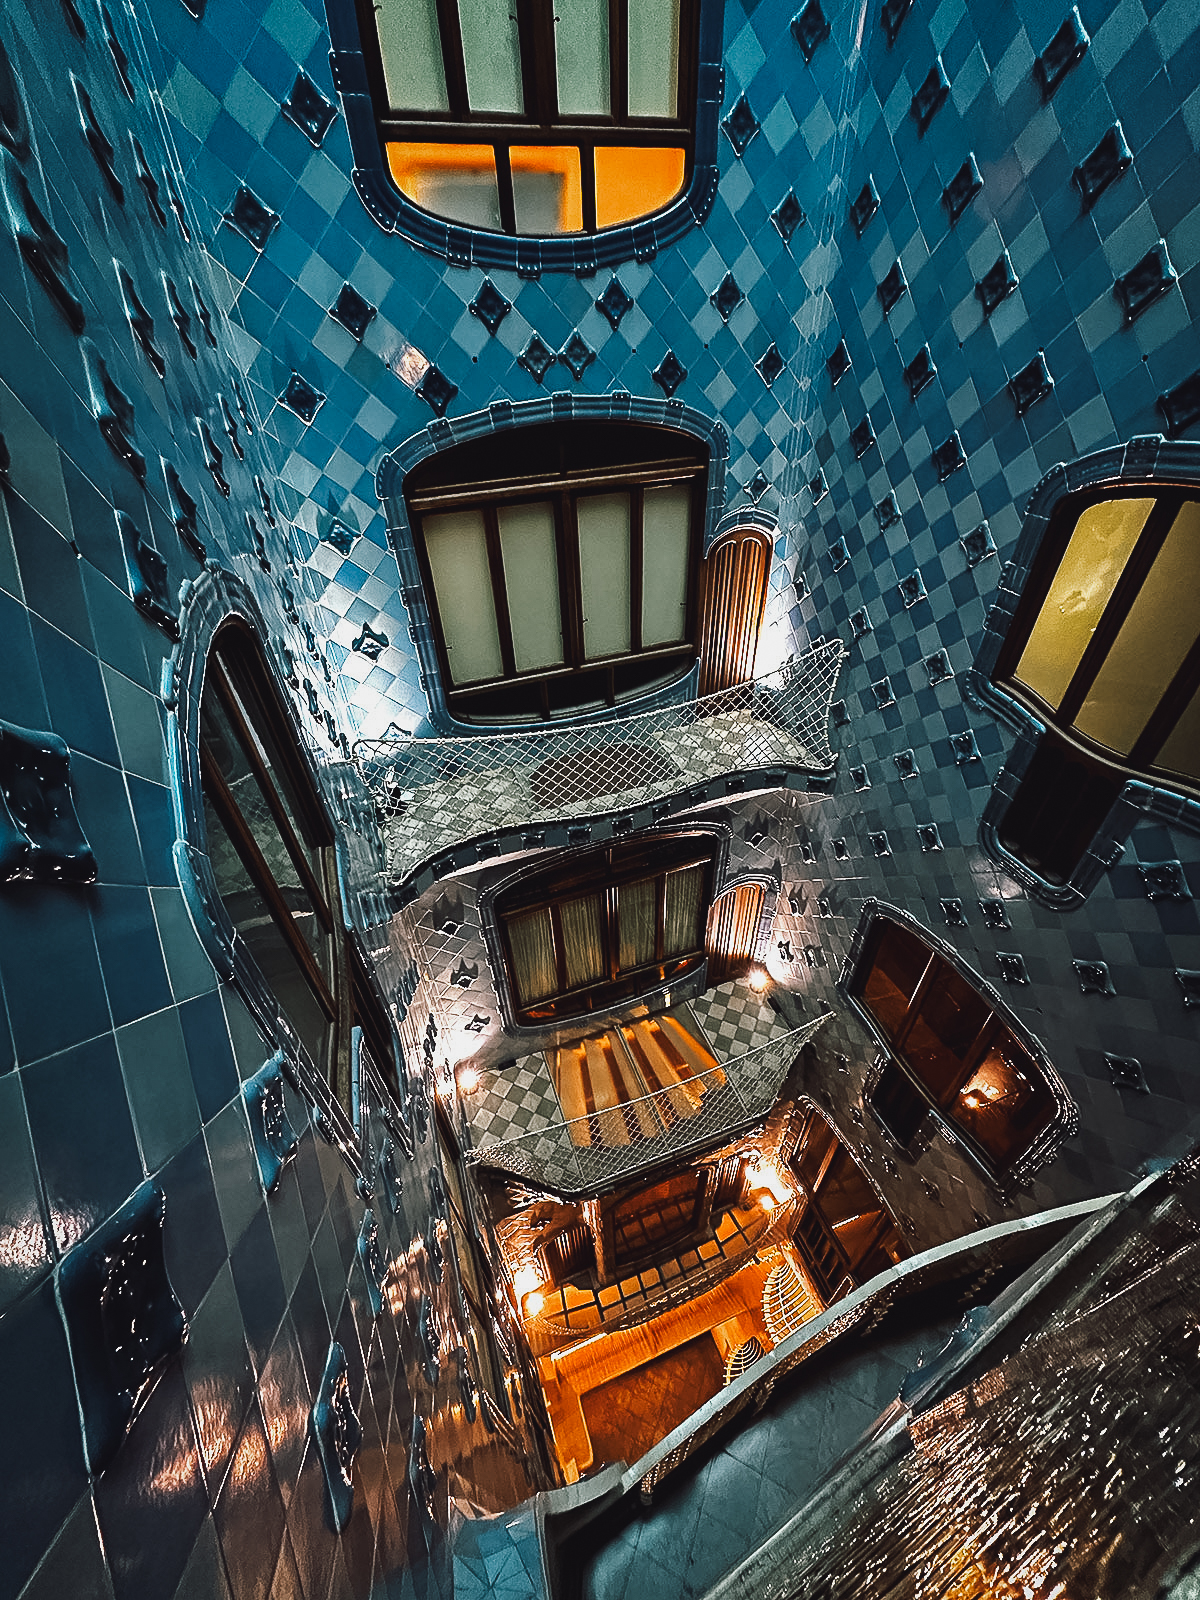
(337,1433)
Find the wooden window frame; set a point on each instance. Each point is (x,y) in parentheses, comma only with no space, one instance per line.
(599,875)
(588,681)
(236,675)
(1169,498)
(813,1222)
(543,124)
(1039,1146)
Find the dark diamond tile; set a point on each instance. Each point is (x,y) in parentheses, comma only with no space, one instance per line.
(1066,50)
(740,125)
(1031,384)
(436,390)
(864,207)
(948,457)
(669,373)
(788,215)
(577,355)
(1180,406)
(770,364)
(810,28)
(726,297)
(862,437)
(930,97)
(490,306)
(893,287)
(997,283)
(966,183)
(253,220)
(1138,289)
(1111,158)
(614,302)
(838,364)
(352,311)
(537,358)
(307,109)
(300,396)
(920,372)
(892,17)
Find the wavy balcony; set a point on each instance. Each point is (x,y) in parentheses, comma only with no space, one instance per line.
(608,1144)
(435,795)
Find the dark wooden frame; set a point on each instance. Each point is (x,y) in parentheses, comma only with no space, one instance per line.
(237,677)
(597,677)
(993,1024)
(543,125)
(601,875)
(1169,499)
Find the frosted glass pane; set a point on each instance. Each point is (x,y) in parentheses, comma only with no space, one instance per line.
(1094,560)
(547,189)
(412,55)
(665,526)
(535,971)
(583,945)
(604,573)
(581,57)
(462,582)
(491,54)
(653,58)
(1154,638)
(456,181)
(531,584)
(681,920)
(637,915)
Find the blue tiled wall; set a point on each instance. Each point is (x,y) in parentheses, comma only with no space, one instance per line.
(121,1051)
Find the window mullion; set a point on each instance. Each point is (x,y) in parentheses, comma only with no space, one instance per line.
(535,25)
(504,188)
(612,932)
(587,177)
(618,36)
(637,540)
(491,524)
(452,58)
(570,581)
(1126,591)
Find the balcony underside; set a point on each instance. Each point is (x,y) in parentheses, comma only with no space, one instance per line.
(435,795)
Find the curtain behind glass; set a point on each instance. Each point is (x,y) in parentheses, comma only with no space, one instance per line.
(583,942)
(535,972)
(682,917)
(637,913)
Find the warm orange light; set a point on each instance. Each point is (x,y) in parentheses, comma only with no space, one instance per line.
(632,182)
(759,979)
(767,1201)
(533,1303)
(525,1279)
(468,1079)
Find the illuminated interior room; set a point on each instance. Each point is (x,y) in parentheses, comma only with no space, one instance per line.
(599,799)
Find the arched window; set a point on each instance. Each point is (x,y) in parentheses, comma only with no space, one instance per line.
(539,117)
(598,928)
(560,565)
(271,850)
(952,1053)
(1105,648)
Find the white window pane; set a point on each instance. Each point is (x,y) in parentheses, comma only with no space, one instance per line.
(604,573)
(666,520)
(527,544)
(412,55)
(491,54)
(462,582)
(653,58)
(583,941)
(581,57)
(637,916)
